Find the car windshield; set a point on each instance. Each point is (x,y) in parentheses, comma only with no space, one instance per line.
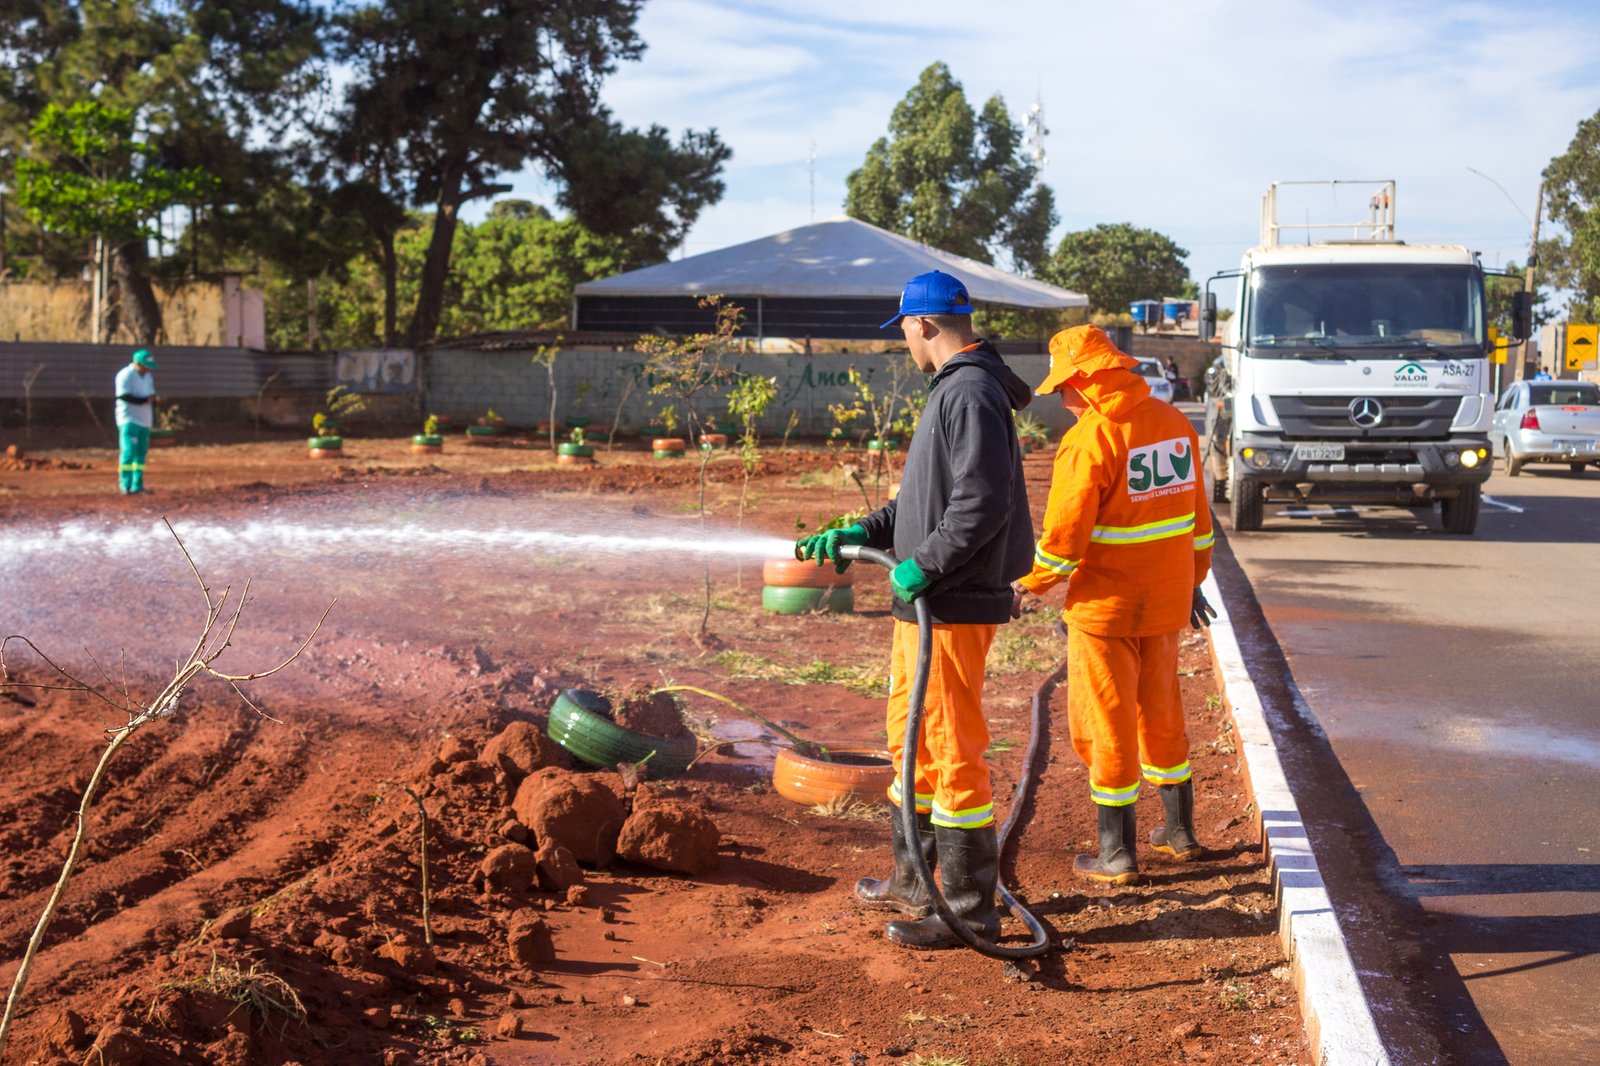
(1557,394)
(1391,309)
(1149,370)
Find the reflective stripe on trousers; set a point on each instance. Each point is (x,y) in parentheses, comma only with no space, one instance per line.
(1125,711)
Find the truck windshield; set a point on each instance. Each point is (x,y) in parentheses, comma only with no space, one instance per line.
(1384,307)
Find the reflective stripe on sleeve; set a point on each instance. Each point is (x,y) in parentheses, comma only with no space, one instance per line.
(1202,543)
(1169,775)
(1167,527)
(1113,797)
(972,818)
(1053,563)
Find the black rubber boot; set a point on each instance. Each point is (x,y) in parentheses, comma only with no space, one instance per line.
(1116,863)
(969,860)
(901,890)
(1177,838)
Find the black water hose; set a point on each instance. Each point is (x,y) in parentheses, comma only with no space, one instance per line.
(908,811)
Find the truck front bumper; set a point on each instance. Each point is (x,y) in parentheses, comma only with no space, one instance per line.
(1355,470)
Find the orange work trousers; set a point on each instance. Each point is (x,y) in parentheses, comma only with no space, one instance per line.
(1126,713)
(952,779)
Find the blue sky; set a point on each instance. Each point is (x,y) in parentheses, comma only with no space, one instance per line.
(1170,115)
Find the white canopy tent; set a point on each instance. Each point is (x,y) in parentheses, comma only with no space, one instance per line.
(839,278)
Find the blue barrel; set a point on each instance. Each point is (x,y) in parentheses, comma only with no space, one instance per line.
(1176,310)
(1145,312)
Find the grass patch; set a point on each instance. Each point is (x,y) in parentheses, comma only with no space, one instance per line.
(255,989)
(851,808)
(1027,646)
(999,746)
(862,680)
(1234,996)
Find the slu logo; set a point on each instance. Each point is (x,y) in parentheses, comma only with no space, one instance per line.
(1411,374)
(1160,469)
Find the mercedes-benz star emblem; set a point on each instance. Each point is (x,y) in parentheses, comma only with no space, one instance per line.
(1365,412)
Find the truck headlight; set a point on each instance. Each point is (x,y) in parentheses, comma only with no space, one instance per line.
(1469,458)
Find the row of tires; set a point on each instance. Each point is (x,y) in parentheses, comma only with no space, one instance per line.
(581,722)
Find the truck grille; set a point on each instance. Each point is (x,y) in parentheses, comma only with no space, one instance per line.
(1404,417)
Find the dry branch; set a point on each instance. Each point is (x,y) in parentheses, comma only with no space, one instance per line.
(216,636)
(427,920)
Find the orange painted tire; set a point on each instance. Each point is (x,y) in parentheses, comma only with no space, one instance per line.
(575,460)
(862,770)
(714,440)
(804,574)
(427,449)
(668,444)
(163,442)
(327,453)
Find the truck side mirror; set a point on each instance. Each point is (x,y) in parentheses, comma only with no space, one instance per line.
(1521,315)
(1208,317)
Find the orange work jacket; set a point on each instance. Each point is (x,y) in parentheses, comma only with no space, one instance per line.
(1127,519)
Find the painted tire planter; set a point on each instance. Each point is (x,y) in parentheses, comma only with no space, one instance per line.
(163,438)
(668,447)
(860,770)
(580,721)
(481,435)
(804,574)
(781,600)
(326,447)
(427,444)
(713,440)
(581,451)
(887,444)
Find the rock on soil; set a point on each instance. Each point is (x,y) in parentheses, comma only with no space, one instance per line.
(117,1046)
(508,868)
(670,834)
(519,749)
(557,869)
(653,714)
(580,812)
(529,941)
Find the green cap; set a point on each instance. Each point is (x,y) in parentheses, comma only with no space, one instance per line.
(144,358)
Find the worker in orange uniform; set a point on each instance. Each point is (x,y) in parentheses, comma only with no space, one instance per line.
(961,528)
(1128,528)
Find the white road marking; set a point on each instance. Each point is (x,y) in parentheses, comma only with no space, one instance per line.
(1513,508)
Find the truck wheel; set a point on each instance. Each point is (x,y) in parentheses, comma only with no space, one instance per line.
(1459,514)
(1248,498)
(1513,464)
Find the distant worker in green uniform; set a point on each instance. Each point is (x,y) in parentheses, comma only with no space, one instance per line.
(136,393)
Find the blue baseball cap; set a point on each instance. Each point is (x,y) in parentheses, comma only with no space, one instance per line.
(144,358)
(933,293)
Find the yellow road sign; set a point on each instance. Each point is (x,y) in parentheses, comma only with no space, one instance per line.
(1582,342)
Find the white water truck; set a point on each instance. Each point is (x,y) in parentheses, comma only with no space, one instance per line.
(1355,370)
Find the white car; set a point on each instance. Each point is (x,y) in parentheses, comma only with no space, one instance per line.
(1155,377)
(1548,422)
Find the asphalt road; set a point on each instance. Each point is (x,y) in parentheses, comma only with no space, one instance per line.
(1437,700)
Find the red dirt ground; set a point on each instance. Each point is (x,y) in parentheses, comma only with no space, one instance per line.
(226,842)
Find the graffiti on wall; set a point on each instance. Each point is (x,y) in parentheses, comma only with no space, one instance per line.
(377,370)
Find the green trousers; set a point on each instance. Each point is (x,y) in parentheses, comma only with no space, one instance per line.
(130,465)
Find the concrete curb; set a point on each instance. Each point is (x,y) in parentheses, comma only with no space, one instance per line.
(1338,1021)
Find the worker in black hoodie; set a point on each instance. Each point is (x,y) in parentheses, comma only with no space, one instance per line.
(962,532)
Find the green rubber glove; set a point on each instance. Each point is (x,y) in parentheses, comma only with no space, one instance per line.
(824,547)
(908,580)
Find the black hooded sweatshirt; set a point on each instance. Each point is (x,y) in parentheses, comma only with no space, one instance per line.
(962,509)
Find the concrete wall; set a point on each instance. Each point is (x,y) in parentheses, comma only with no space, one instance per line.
(223,314)
(591,381)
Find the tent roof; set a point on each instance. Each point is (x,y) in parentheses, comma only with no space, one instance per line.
(839,258)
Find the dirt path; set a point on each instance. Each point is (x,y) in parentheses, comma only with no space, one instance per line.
(228,843)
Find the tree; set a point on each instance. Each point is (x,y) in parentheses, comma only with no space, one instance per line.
(953,179)
(1117,263)
(448,97)
(89,175)
(1572,196)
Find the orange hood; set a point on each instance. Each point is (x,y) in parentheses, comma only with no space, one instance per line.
(1085,358)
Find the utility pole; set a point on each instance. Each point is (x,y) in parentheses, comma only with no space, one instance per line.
(1527,283)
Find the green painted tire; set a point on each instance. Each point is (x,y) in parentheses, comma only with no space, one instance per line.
(427,438)
(662,453)
(585,450)
(792,600)
(325,443)
(482,431)
(886,444)
(580,721)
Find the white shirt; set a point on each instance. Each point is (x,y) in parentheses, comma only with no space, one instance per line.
(132,383)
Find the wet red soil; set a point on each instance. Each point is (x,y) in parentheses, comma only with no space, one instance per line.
(227,844)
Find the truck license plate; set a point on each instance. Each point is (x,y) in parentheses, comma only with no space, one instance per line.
(1318,452)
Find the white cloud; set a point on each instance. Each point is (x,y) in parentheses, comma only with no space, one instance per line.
(1173,115)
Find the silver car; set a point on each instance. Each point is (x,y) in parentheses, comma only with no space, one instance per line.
(1155,377)
(1548,422)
